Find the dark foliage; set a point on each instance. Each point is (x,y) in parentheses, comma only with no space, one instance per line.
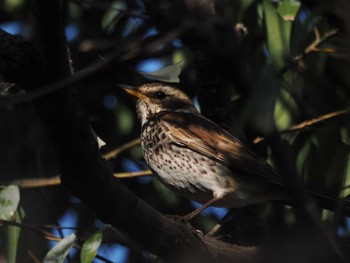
(274,73)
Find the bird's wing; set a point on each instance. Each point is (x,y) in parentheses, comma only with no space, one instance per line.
(203,136)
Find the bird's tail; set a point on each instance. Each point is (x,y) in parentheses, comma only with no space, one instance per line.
(328,202)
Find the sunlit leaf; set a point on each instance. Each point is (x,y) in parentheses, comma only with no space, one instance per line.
(278,34)
(60,251)
(167,74)
(288,9)
(282,116)
(9,199)
(179,56)
(284,108)
(90,247)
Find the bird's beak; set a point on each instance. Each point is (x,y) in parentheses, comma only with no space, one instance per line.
(133,92)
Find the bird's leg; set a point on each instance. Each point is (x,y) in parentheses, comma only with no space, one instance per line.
(191,215)
(223,220)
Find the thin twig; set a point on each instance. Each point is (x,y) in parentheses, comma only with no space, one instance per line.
(117,151)
(33,182)
(52,181)
(133,174)
(307,124)
(33,257)
(313,47)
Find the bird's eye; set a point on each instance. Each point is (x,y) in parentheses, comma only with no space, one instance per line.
(159,95)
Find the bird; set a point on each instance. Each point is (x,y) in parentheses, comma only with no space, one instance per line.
(197,159)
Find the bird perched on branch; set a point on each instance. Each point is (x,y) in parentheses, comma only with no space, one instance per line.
(196,158)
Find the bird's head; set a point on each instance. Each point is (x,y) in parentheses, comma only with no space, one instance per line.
(158,97)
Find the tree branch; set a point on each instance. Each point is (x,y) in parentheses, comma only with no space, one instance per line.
(311,48)
(117,151)
(308,123)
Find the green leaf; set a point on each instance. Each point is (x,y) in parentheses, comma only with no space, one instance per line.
(60,251)
(346,191)
(13,5)
(90,247)
(345,136)
(179,56)
(278,34)
(9,199)
(167,74)
(109,18)
(288,9)
(283,117)
(125,120)
(284,110)
(12,237)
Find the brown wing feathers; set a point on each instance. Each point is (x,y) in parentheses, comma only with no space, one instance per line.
(188,131)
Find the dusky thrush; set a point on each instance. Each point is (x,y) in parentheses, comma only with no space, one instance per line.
(198,159)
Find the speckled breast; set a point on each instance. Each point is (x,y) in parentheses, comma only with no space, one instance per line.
(189,173)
